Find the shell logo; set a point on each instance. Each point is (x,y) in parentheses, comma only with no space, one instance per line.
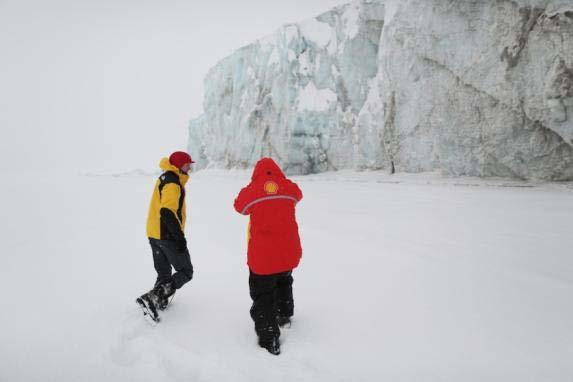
(271,187)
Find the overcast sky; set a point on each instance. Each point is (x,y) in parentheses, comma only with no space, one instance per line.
(111,85)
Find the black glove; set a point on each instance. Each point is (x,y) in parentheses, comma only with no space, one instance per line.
(181,245)
(175,232)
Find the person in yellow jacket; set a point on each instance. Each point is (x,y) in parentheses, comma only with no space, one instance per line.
(166,232)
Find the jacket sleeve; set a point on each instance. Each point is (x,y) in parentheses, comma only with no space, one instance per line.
(168,209)
(294,190)
(243,199)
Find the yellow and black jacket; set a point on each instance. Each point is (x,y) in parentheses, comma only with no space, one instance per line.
(167,210)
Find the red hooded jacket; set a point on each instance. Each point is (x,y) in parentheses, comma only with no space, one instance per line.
(270,200)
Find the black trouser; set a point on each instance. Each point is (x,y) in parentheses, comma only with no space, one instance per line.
(272,296)
(165,255)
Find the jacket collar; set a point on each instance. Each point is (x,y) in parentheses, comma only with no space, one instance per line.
(165,165)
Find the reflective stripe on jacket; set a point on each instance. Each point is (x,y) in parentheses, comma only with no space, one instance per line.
(270,200)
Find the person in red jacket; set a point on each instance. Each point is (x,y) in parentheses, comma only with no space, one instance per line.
(274,248)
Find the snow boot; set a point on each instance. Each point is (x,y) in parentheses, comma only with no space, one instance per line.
(273,346)
(149,303)
(269,339)
(163,292)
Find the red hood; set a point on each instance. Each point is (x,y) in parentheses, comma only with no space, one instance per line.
(268,168)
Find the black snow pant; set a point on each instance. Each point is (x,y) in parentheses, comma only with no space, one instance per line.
(272,297)
(165,256)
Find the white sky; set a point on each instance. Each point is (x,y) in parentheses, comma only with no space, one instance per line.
(111,85)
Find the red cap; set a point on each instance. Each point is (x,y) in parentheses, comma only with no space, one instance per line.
(179,159)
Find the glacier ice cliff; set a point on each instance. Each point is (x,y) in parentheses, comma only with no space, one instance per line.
(468,88)
(479,88)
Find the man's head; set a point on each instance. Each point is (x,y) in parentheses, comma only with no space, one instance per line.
(181,160)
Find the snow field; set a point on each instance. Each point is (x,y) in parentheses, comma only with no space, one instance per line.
(403,278)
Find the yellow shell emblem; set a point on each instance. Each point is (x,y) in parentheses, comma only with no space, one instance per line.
(271,187)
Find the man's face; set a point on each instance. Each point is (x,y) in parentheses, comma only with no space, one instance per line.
(186,167)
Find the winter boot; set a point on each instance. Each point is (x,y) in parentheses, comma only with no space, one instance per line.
(273,346)
(269,339)
(163,292)
(149,303)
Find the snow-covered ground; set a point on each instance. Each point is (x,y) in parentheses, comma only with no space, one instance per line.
(403,278)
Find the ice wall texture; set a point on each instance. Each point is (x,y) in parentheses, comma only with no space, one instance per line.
(295,95)
(480,88)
